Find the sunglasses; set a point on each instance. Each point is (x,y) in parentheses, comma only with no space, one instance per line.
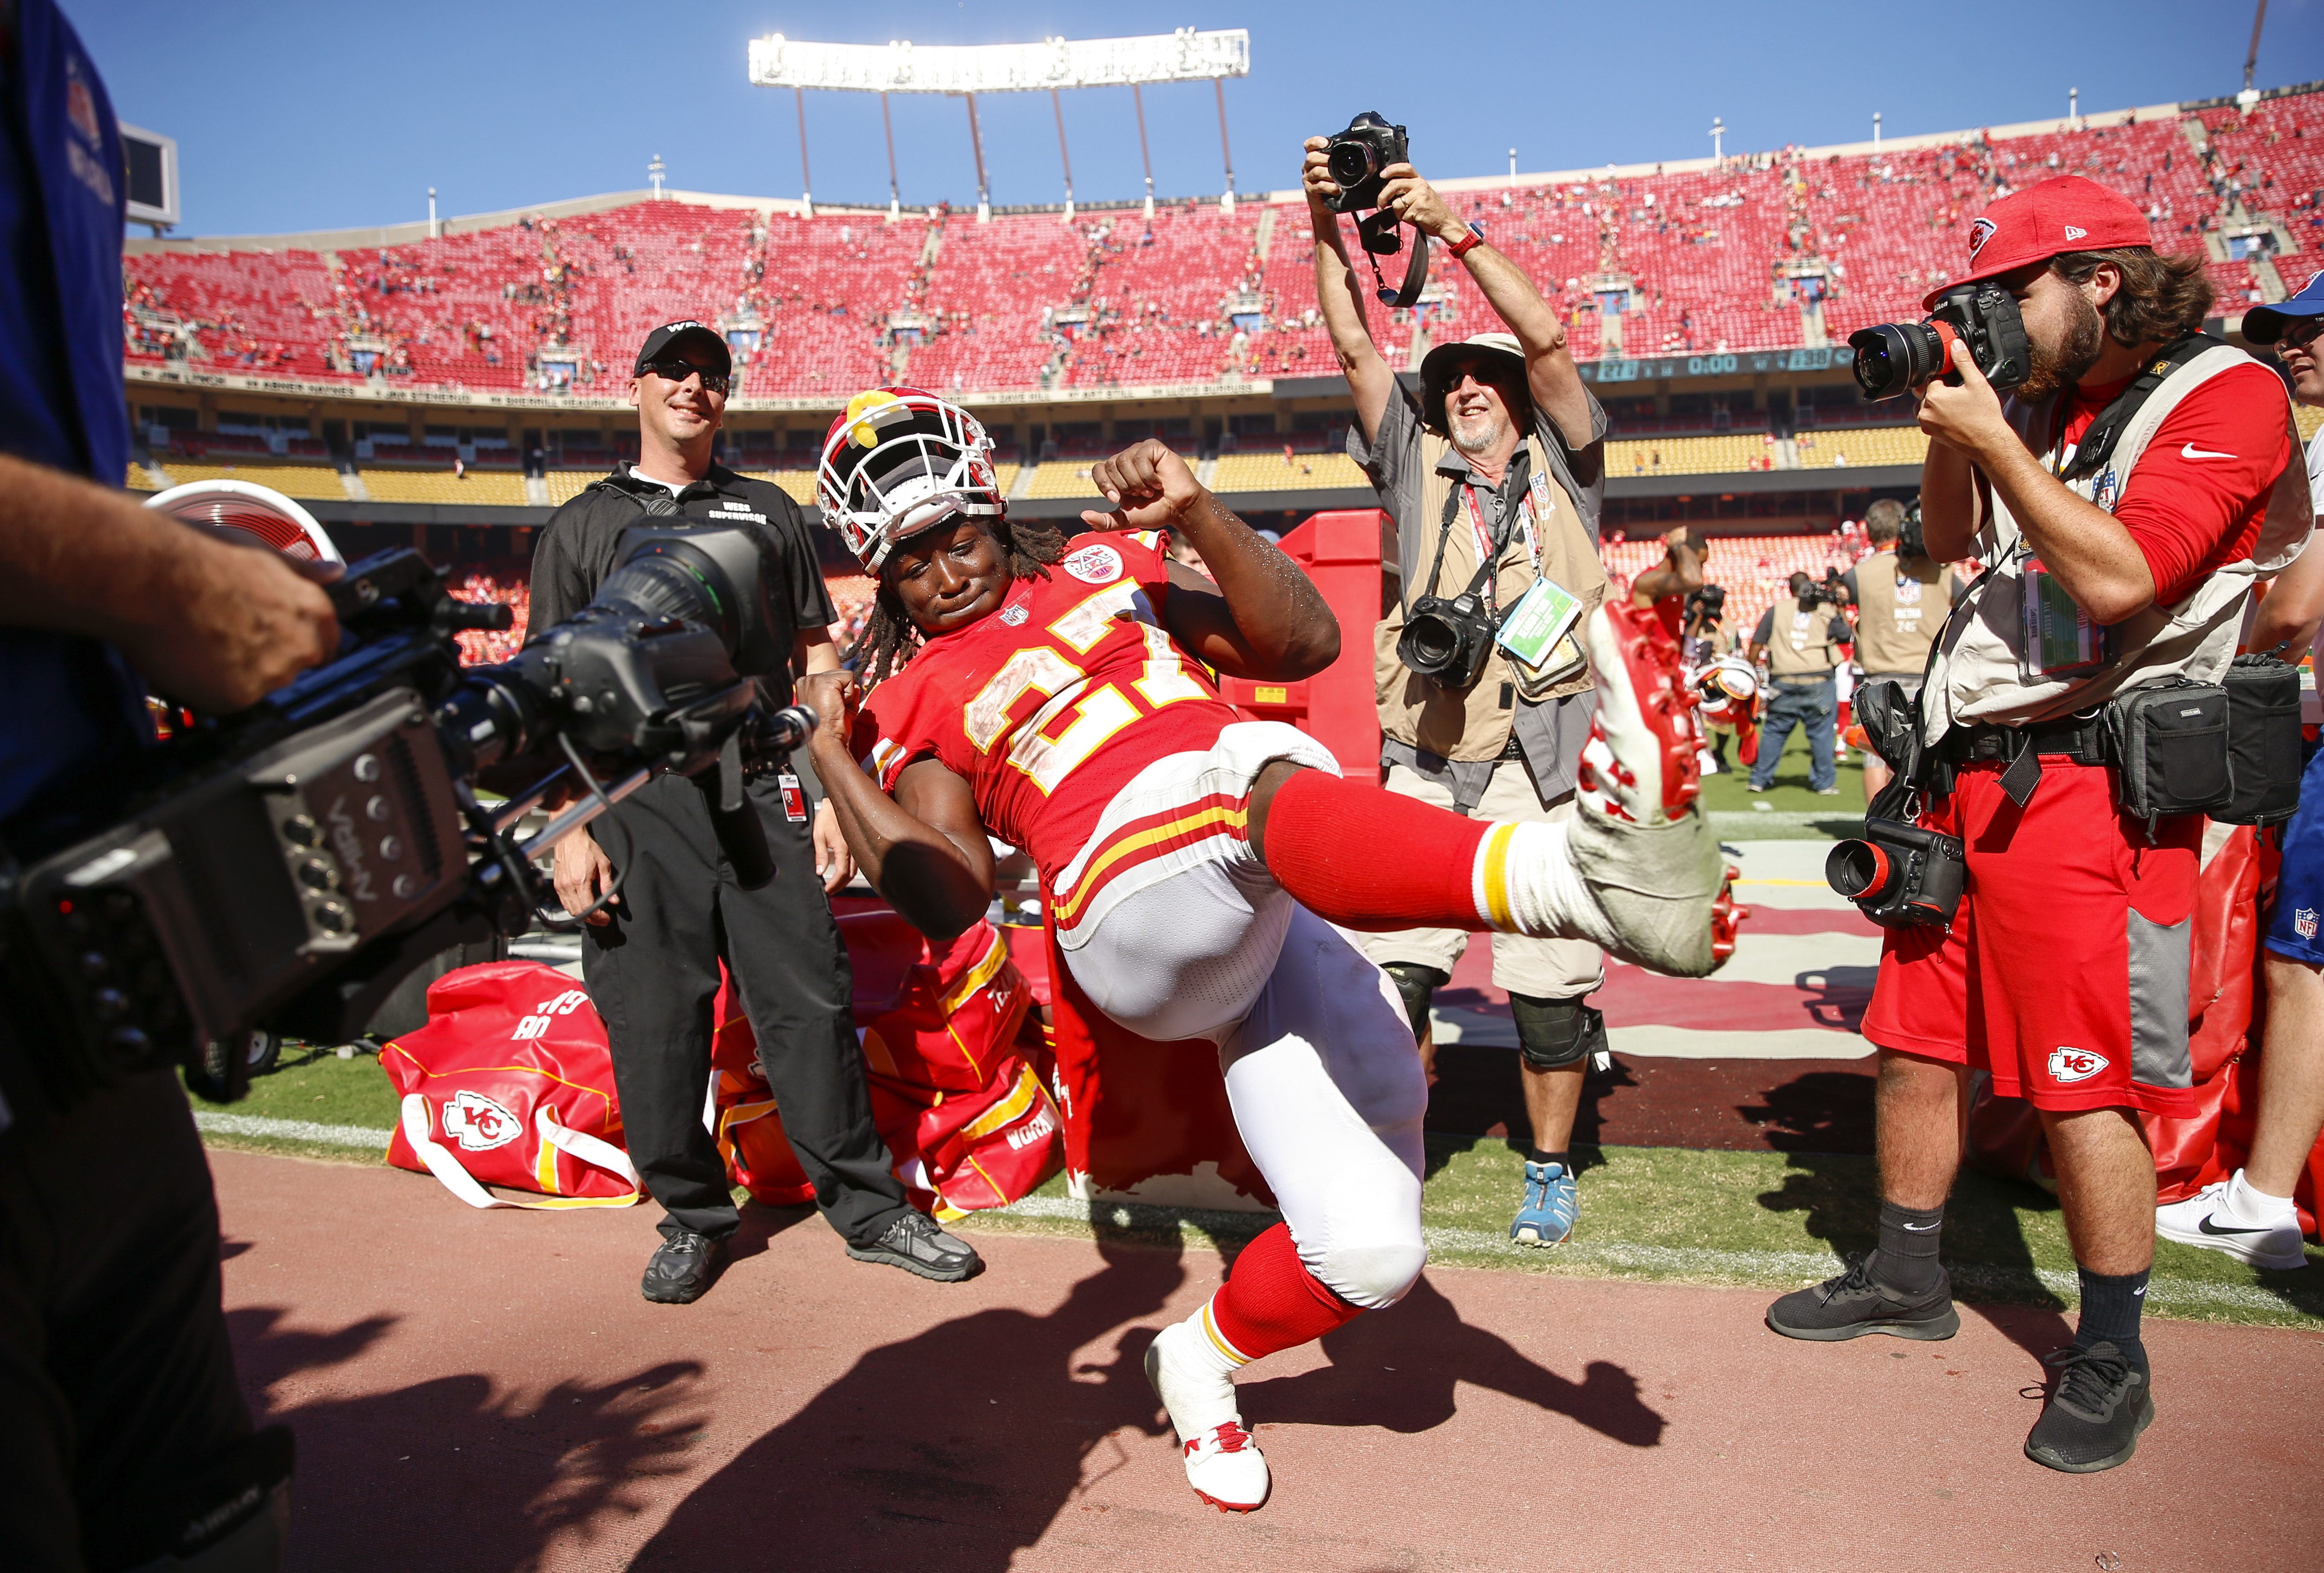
(677,371)
(2301,334)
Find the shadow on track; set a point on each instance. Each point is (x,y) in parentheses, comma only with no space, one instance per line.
(1400,1369)
(955,1448)
(456,1472)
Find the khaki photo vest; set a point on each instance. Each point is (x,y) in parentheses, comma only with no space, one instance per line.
(1900,605)
(1976,677)
(1800,643)
(1471,723)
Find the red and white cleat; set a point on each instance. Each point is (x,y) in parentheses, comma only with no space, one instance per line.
(1726,919)
(1642,761)
(1226,1468)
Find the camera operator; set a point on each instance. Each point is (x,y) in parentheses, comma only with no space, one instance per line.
(2250,1215)
(1802,639)
(1501,458)
(2132,488)
(652,951)
(124,1436)
(1900,598)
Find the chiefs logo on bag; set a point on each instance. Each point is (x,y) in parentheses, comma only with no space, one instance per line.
(510,1085)
(966,1117)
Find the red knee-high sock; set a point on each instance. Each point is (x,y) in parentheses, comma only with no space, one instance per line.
(1273,1303)
(1368,860)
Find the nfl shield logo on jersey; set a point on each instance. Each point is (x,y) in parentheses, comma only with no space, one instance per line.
(2303,922)
(2075,1064)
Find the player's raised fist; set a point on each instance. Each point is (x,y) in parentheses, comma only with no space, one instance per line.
(833,697)
(1148,485)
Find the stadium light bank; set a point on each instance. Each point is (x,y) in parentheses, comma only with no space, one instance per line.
(963,71)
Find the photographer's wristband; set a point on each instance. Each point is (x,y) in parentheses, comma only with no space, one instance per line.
(1462,246)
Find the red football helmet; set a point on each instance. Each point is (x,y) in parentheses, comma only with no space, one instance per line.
(897,461)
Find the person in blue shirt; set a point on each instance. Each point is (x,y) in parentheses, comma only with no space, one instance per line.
(125,1441)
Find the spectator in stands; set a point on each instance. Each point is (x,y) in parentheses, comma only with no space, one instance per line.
(125,1441)
(1803,641)
(1900,604)
(2063,972)
(2250,1215)
(653,950)
(1501,459)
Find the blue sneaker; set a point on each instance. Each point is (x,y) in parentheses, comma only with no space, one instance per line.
(1551,1200)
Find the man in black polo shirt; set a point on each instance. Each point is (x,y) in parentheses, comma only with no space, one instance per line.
(653,948)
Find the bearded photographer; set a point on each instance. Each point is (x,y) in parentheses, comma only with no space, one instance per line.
(653,950)
(1501,459)
(2134,486)
(1900,598)
(123,1435)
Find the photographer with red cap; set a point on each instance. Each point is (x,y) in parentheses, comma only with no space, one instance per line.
(2127,494)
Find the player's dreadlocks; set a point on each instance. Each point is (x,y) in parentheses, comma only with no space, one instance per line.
(890,638)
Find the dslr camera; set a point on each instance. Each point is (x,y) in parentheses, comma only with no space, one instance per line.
(1356,157)
(1708,602)
(286,867)
(1977,321)
(1446,641)
(1899,876)
(1829,592)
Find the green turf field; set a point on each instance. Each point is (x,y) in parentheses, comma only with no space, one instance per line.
(1761,1219)
(1788,809)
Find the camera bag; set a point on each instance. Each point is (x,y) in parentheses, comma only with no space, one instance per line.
(2264,764)
(2169,744)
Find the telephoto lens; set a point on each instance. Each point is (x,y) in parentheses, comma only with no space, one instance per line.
(1894,356)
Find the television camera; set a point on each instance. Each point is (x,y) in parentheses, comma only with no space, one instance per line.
(286,867)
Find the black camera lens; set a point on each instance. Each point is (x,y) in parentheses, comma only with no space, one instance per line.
(1894,357)
(1433,644)
(1859,871)
(1348,161)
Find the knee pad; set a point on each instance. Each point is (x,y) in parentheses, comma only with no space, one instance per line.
(1553,1034)
(1374,1277)
(1416,983)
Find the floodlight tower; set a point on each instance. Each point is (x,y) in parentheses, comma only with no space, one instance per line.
(963,71)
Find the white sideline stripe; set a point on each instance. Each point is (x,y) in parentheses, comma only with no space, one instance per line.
(292,1130)
(1481,1029)
(1698,1260)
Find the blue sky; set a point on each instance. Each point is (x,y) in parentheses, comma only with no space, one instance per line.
(294,117)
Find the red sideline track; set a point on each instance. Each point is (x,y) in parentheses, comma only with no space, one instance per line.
(481,1391)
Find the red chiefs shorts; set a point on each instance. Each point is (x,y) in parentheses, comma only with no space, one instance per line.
(2065,971)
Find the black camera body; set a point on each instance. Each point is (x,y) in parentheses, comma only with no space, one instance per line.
(1446,641)
(1356,157)
(1899,876)
(1707,601)
(1979,319)
(1911,540)
(1827,592)
(286,867)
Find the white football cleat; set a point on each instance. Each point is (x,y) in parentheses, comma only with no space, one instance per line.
(1223,1464)
(2204,1220)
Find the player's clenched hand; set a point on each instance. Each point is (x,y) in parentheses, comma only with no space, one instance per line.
(1150,486)
(833,697)
(240,623)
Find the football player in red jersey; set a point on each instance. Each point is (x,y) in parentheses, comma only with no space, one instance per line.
(1194,865)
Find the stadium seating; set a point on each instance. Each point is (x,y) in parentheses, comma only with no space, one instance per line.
(306,481)
(478,487)
(1269,472)
(1827,447)
(1689,456)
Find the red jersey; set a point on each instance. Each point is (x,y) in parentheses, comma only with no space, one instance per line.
(2203,482)
(1051,704)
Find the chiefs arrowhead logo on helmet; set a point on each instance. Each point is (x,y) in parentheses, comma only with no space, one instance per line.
(897,461)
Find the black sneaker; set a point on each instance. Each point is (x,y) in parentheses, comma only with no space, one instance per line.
(2101,1401)
(682,1268)
(1856,1303)
(915,1244)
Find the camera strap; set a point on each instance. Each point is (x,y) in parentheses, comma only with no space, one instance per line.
(1378,233)
(2098,442)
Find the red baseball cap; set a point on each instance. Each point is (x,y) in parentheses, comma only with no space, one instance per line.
(2068,213)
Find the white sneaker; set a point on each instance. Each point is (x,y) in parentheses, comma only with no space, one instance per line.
(1223,1464)
(2203,1220)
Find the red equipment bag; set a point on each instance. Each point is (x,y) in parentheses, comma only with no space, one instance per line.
(954,1094)
(510,1084)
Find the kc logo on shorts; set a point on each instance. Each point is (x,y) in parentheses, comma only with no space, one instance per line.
(1094,565)
(2075,1064)
(2303,922)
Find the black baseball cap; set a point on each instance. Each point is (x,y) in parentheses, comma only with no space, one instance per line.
(662,339)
